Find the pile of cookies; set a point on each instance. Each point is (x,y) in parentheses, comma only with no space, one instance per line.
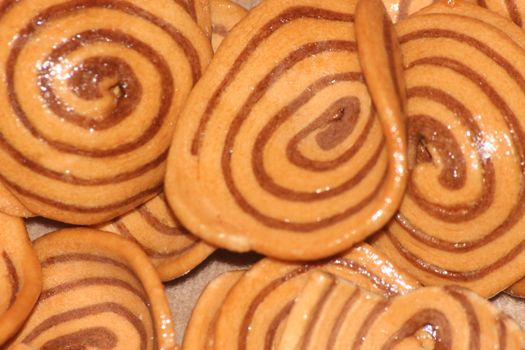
(160,131)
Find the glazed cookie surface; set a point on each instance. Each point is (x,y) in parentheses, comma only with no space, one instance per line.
(255,310)
(279,149)
(99,291)
(20,276)
(462,217)
(91,90)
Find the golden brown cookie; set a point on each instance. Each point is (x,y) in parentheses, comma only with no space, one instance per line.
(100,291)
(199,333)
(279,149)
(224,15)
(171,248)
(20,276)
(10,205)
(91,91)
(335,314)
(326,312)
(254,312)
(461,221)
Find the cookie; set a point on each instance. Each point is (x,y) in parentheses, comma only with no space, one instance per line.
(224,15)
(171,248)
(326,312)
(91,90)
(336,314)
(99,291)
(462,217)
(279,149)
(20,276)
(254,312)
(199,333)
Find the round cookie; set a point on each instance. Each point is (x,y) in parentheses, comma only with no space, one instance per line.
(99,291)
(199,333)
(90,94)
(462,217)
(20,276)
(279,149)
(255,310)
(171,248)
(224,15)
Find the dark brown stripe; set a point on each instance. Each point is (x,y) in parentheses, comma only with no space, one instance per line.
(140,197)
(12,276)
(287,16)
(269,339)
(470,311)
(77,180)
(93,281)
(441,326)
(84,257)
(95,337)
(158,225)
(336,329)
(514,13)
(376,311)
(155,254)
(95,309)
(219,29)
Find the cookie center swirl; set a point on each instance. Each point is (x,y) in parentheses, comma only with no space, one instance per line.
(95,78)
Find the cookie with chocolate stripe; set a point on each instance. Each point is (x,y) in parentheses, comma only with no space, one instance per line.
(20,276)
(99,291)
(91,90)
(280,148)
(171,248)
(255,310)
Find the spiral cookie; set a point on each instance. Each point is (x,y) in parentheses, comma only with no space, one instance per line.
(170,247)
(278,149)
(91,90)
(100,291)
(199,334)
(335,314)
(20,276)
(256,308)
(224,15)
(461,221)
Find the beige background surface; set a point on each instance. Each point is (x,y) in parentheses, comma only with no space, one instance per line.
(184,292)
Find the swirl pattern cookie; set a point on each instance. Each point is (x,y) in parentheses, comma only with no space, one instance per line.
(461,221)
(20,276)
(224,15)
(279,149)
(335,314)
(100,291)
(171,248)
(255,310)
(91,90)
(199,333)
